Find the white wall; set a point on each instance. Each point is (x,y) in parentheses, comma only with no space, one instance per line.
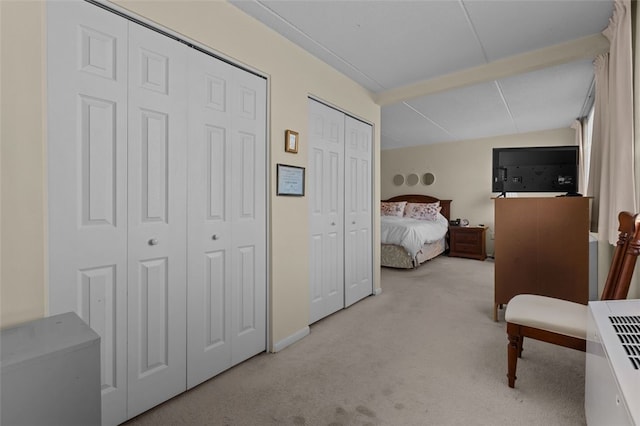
(293,75)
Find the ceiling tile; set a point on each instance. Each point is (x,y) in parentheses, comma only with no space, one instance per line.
(392,43)
(507,28)
(548,98)
(401,127)
(469,112)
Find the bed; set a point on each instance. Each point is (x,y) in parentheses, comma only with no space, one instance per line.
(406,241)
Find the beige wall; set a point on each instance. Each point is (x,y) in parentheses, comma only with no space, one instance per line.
(462,170)
(22,196)
(293,75)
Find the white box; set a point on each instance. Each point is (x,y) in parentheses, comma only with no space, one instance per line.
(50,373)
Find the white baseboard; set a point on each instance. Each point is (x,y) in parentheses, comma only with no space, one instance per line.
(377,291)
(290,340)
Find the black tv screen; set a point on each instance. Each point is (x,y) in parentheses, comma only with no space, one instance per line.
(536,169)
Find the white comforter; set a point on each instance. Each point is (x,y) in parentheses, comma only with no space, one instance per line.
(412,234)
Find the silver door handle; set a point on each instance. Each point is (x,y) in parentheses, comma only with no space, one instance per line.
(153,242)
(214,237)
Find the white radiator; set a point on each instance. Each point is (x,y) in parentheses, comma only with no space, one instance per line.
(612,388)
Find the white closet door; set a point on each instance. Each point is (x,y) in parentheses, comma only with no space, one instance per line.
(248,214)
(358,244)
(227,217)
(87,178)
(326,203)
(209,224)
(157,218)
(119,111)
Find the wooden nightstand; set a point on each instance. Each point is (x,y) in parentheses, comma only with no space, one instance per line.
(468,241)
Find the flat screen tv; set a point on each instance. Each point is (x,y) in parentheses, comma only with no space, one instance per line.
(536,169)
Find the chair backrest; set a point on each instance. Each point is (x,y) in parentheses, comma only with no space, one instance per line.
(624,258)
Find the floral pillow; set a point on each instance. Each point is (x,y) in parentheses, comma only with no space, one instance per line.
(392,208)
(422,211)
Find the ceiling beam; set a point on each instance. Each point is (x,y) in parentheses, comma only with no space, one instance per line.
(582,48)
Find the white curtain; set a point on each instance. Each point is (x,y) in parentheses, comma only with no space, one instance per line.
(611,177)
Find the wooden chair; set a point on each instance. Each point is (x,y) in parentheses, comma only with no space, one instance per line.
(562,322)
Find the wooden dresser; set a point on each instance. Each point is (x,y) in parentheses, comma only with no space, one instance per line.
(541,247)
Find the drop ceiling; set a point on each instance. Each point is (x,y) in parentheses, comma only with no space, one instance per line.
(453,70)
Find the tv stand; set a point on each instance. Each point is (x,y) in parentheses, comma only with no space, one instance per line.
(541,247)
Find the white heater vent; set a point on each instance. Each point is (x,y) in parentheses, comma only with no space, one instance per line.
(627,328)
(612,386)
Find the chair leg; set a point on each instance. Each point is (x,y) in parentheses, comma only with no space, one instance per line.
(513,349)
(520,342)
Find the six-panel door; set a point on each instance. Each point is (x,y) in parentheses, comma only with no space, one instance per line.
(326,210)
(87,182)
(120,105)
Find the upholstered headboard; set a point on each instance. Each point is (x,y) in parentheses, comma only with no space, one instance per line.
(418,198)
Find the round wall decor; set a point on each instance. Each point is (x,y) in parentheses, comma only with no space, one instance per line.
(412,179)
(428,179)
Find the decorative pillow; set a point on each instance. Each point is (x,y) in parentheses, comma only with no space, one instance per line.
(392,208)
(422,211)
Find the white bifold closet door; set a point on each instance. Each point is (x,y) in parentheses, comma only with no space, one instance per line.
(326,210)
(339,185)
(157,204)
(157,221)
(227,217)
(87,182)
(357,210)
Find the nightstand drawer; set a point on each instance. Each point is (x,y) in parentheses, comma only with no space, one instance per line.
(468,239)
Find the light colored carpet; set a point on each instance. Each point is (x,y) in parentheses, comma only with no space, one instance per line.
(424,352)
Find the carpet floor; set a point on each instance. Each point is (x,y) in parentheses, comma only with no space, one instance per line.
(426,351)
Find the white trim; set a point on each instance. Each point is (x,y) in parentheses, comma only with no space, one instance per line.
(290,340)
(377,291)
(340,109)
(141,20)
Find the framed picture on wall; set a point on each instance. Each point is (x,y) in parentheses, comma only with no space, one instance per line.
(290,180)
(291,141)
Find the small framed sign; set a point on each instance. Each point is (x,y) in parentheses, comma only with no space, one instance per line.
(290,180)
(291,141)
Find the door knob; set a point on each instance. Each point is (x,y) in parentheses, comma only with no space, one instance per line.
(153,242)
(333,224)
(353,223)
(214,237)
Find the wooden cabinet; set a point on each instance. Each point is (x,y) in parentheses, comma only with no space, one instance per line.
(541,247)
(468,241)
